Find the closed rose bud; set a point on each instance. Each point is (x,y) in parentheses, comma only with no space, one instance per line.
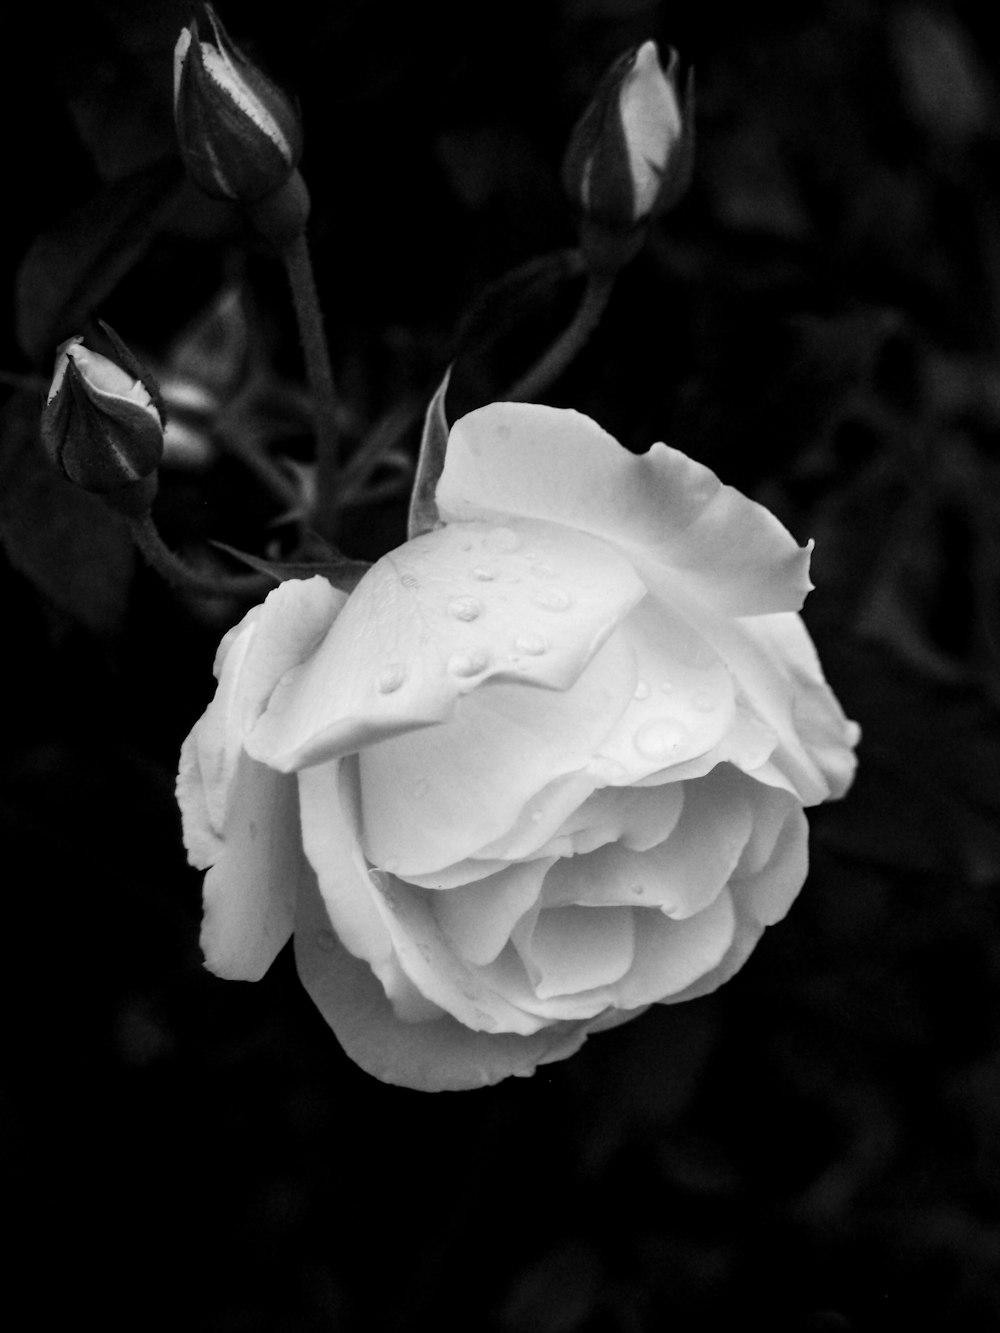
(630,155)
(239,135)
(102,427)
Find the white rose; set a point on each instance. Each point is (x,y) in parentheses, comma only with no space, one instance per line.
(545,766)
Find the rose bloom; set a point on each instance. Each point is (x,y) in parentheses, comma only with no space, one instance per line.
(545,766)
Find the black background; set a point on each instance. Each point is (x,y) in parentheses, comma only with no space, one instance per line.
(816,1146)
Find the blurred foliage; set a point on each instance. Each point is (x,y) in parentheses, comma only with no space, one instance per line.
(815,1147)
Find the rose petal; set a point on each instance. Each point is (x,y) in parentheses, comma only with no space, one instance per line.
(528,460)
(635,818)
(434,797)
(767,657)
(328,795)
(670,955)
(249,891)
(822,728)
(684,873)
(253,655)
(438,618)
(435,1056)
(684,702)
(479,918)
(239,818)
(760,900)
(573,949)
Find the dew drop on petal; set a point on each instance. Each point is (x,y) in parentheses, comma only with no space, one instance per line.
(502,539)
(409,581)
(532,644)
(484,573)
(607,770)
(642,689)
(660,738)
(468,664)
(465,608)
(326,940)
(390,678)
(486,1021)
(552,598)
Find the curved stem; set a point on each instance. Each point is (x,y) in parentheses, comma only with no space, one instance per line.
(574,337)
(298,265)
(179,574)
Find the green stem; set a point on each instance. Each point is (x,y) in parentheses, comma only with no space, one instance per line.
(179,574)
(574,337)
(298,265)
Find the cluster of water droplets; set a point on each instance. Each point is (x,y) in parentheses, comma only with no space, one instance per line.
(467,608)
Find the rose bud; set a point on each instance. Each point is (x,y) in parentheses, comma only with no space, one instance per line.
(545,766)
(239,135)
(103,425)
(630,155)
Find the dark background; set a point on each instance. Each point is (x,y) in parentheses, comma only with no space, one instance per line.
(813,1149)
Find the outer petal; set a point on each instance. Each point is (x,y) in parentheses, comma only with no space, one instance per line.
(436,1056)
(438,618)
(250,890)
(772,660)
(525,459)
(239,818)
(330,836)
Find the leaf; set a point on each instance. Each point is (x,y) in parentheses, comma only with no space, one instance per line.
(72,268)
(430,462)
(74,550)
(343,573)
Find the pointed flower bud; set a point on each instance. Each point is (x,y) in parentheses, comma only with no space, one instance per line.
(630,155)
(102,425)
(239,135)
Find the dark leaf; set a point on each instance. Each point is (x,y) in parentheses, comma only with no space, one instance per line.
(430,461)
(73,267)
(343,573)
(66,541)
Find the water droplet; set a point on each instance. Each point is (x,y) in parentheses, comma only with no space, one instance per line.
(468,664)
(607,770)
(487,1023)
(667,686)
(639,890)
(703,702)
(502,539)
(409,581)
(326,940)
(660,738)
(552,598)
(484,573)
(390,678)
(536,816)
(465,608)
(542,570)
(420,788)
(532,644)
(641,689)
